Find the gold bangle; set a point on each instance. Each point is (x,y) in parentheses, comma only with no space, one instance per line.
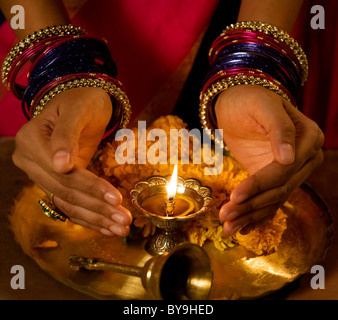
(32,39)
(278,35)
(206,108)
(109,87)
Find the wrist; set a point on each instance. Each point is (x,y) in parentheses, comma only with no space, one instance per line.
(256,54)
(88,102)
(65,58)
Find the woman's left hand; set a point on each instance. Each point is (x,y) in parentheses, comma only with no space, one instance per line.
(276,143)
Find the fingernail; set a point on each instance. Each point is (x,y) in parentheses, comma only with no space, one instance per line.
(286,153)
(61,160)
(111,198)
(235,229)
(115,229)
(227,216)
(106,232)
(120,231)
(231,231)
(119,219)
(239,198)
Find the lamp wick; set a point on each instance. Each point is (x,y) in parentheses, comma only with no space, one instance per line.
(170,206)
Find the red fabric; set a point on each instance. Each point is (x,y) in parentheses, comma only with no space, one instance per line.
(320,97)
(11,116)
(148,39)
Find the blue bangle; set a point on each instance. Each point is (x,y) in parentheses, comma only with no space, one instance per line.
(260,62)
(82,47)
(79,55)
(258,56)
(38,83)
(268,52)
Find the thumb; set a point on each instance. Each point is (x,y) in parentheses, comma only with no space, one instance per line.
(282,133)
(65,143)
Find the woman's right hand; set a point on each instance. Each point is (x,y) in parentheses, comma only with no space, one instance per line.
(55,148)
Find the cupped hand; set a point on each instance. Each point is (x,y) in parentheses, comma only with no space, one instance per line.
(54,150)
(274,142)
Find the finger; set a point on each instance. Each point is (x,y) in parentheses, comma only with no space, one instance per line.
(114,229)
(98,197)
(64,140)
(79,179)
(230,228)
(283,137)
(277,196)
(308,128)
(33,142)
(103,231)
(280,129)
(76,118)
(275,174)
(272,176)
(91,219)
(232,210)
(103,216)
(83,180)
(116,214)
(80,187)
(121,232)
(246,230)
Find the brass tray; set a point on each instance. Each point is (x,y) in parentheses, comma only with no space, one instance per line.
(238,273)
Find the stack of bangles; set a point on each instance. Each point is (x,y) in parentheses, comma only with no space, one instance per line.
(54,60)
(251,53)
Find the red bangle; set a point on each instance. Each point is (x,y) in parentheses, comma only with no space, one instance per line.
(27,55)
(31,40)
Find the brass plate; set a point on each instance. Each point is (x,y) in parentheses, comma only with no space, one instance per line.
(238,274)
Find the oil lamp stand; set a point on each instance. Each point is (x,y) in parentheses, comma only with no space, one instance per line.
(147,198)
(163,241)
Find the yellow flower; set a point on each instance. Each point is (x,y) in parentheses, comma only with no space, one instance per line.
(265,238)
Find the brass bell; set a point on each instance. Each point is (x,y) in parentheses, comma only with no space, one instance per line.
(185,273)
